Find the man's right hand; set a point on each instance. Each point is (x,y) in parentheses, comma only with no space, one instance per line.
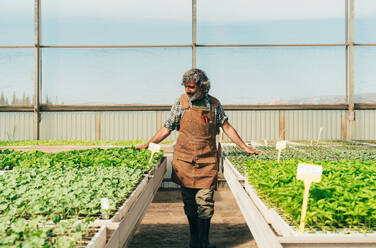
(144,146)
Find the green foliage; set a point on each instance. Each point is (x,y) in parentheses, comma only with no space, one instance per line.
(318,153)
(344,199)
(127,156)
(48,200)
(74,142)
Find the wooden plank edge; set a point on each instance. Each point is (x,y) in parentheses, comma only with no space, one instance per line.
(127,226)
(124,209)
(264,210)
(136,193)
(99,239)
(234,170)
(280,225)
(330,240)
(141,216)
(159,175)
(151,172)
(271,216)
(261,231)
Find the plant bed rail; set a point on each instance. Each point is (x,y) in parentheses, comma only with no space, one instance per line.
(270,230)
(126,220)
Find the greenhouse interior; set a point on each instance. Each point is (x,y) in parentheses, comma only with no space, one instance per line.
(200,123)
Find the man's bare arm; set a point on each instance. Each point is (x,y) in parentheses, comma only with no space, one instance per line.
(158,137)
(234,136)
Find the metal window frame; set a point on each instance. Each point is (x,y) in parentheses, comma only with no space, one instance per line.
(349,45)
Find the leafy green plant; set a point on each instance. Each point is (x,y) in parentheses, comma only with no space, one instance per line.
(344,199)
(11,142)
(48,200)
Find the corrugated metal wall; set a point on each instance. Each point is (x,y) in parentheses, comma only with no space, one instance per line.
(67,125)
(16,126)
(131,125)
(305,124)
(365,127)
(127,125)
(252,125)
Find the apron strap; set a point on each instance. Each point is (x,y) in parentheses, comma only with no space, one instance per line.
(214,101)
(184,101)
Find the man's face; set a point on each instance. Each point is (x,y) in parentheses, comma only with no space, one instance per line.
(193,91)
(191,88)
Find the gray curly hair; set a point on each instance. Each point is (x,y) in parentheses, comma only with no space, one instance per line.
(199,78)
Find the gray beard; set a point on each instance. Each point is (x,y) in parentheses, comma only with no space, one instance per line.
(196,96)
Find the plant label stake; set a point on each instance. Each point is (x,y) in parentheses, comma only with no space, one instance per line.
(318,138)
(280,146)
(105,205)
(308,173)
(153,148)
(2,172)
(265,142)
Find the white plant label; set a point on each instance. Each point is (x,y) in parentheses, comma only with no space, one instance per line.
(308,173)
(2,172)
(153,148)
(105,203)
(281,145)
(318,138)
(265,142)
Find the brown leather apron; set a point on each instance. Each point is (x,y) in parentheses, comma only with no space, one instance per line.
(195,163)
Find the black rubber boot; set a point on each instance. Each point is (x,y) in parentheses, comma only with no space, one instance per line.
(204,233)
(194,241)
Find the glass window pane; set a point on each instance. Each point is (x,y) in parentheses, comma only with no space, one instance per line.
(17,76)
(16,22)
(365,21)
(113,75)
(270,21)
(365,75)
(114,22)
(277,75)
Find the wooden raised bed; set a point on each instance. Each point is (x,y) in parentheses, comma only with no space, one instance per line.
(120,229)
(270,230)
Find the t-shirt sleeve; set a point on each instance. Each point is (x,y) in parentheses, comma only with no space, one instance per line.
(173,121)
(221,116)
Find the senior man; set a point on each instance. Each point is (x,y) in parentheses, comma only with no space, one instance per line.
(197,116)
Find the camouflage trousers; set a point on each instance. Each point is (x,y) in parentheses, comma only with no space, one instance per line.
(198,202)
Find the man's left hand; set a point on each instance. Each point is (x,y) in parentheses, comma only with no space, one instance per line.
(250,151)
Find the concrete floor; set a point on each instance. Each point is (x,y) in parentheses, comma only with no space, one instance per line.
(165,224)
